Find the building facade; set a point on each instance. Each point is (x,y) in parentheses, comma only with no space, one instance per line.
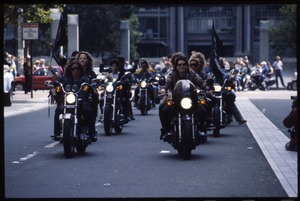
(168,29)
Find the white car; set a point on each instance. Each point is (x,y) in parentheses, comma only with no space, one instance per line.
(8,80)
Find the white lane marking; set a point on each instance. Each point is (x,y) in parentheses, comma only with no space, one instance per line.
(51,145)
(28,156)
(164,152)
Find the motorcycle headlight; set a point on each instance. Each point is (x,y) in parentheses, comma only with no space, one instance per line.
(143,84)
(217,87)
(186,103)
(109,88)
(70,98)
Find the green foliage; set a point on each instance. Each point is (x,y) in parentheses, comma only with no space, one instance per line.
(284,37)
(99,27)
(30,12)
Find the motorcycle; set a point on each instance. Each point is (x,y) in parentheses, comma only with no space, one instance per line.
(212,96)
(113,117)
(184,129)
(144,101)
(74,125)
(259,82)
(292,85)
(159,80)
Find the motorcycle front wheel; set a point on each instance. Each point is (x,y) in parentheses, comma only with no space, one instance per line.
(119,118)
(185,149)
(108,120)
(216,119)
(143,105)
(68,138)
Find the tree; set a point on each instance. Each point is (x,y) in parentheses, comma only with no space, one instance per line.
(39,13)
(284,37)
(99,27)
(30,12)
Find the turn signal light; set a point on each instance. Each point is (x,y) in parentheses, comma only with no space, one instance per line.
(202,102)
(85,87)
(169,103)
(57,89)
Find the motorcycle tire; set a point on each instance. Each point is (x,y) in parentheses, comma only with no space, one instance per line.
(107,123)
(118,119)
(142,105)
(68,138)
(185,149)
(216,119)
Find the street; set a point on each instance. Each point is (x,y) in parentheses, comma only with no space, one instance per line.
(136,164)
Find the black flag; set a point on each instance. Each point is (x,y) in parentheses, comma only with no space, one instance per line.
(60,40)
(216,50)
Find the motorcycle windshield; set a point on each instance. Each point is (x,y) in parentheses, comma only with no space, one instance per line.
(184,88)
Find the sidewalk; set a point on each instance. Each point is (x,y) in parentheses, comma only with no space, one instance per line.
(272,143)
(38,96)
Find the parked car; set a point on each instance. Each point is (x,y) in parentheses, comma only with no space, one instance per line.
(40,76)
(8,80)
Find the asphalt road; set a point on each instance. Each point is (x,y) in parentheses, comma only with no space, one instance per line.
(136,164)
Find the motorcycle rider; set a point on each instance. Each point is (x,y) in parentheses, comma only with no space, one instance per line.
(144,71)
(74,75)
(289,121)
(126,93)
(197,63)
(220,76)
(180,70)
(113,75)
(86,61)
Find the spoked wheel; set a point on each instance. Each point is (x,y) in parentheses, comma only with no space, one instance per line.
(107,119)
(68,138)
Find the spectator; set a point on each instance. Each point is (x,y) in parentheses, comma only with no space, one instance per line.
(13,67)
(278,67)
(27,73)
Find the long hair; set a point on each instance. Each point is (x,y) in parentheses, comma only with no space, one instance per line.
(89,59)
(68,72)
(200,56)
(174,56)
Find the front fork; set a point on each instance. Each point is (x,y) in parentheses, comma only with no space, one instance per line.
(185,118)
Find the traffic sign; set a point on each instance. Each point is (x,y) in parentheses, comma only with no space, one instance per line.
(30,31)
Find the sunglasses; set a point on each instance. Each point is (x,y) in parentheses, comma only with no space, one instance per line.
(181,64)
(75,68)
(193,65)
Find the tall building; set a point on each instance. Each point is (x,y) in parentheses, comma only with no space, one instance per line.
(167,29)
